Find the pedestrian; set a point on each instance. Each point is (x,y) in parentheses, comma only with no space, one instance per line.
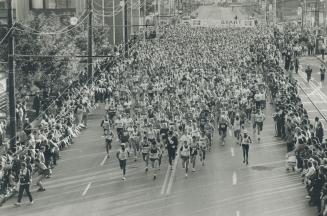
(296,64)
(246,141)
(308,71)
(323,50)
(43,172)
(122,155)
(24,184)
(322,73)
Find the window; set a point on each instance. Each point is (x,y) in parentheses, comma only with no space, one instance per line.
(52,4)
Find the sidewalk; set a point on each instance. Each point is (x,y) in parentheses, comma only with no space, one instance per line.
(93,115)
(314,93)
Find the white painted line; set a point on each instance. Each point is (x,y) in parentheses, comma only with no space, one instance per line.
(232,151)
(230,133)
(86,189)
(234,178)
(172,176)
(104,160)
(238,213)
(165,181)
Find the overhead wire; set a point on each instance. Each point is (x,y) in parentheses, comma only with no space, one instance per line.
(100,13)
(62,31)
(6,35)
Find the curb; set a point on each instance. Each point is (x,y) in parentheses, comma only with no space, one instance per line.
(322,61)
(7,197)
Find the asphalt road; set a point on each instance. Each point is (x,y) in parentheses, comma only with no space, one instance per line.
(315,89)
(84,183)
(215,12)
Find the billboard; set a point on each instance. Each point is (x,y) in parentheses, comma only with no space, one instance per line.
(222,23)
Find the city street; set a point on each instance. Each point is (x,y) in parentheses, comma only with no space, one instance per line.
(85,183)
(161,82)
(315,89)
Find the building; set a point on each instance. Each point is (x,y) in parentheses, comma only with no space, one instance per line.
(103,13)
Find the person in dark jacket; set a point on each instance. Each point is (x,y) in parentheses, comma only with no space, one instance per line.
(37,104)
(319,132)
(171,147)
(308,71)
(24,180)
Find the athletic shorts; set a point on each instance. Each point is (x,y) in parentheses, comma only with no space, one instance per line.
(260,125)
(185,158)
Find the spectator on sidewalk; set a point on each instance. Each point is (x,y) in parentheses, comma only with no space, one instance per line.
(43,172)
(308,71)
(323,50)
(37,104)
(296,64)
(322,73)
(24,184)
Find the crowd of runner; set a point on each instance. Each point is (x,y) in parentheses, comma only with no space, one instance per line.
(172,96)
(171,99)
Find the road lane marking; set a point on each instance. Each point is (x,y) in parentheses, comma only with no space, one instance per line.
(238,213)
(165,181)
(232,151)
(234,178)
(172,176)
(230,133)
(86,189)
(104,160)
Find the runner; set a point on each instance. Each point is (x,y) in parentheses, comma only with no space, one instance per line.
(203,147)
(246,141)
(134,141)
(194,151)
(145,147)
(185,152)
(260,117)
(237,128)
(122,156)
(154,158)
(172,145)
(109,136)
(223,127)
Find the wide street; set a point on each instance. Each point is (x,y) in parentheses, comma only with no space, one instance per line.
(85,182)
(315,89)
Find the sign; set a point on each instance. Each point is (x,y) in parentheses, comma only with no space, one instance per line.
(299,11)
(222,23)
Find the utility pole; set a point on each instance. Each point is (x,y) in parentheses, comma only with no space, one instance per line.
(317,13)
(302,23)
(102,12)
(11,78)
(275,12)
(125,29)
(144,19)
(90,42)
(113,23)
(266,17)
(132,30)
